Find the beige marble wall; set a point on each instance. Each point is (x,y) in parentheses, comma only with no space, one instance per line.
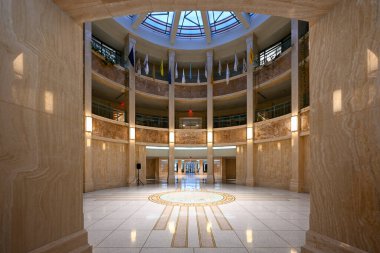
(273,164)
(345,129)
(231,135)
(114,73)
(103,128)
(235,85)
(41,122)
(141,158)
(152,167)
(273,128)
(190,91)
(241,164)
(109,164)
(148,85)
(305,120)
(305,155)
(190,136)
(150,135)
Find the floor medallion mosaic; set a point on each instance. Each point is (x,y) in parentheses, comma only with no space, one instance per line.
(191,198)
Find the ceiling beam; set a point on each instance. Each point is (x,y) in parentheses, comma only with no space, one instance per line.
(174,30)
(243,18)
(139,20)
(206,25)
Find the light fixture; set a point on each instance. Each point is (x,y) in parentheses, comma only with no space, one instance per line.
(249,133)
(294,123)
(171,137)
(209,136)
(88,124)
(132,133)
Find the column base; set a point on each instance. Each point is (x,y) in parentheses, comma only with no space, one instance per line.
(250,182)
(73,243)
(171,179)
(318,243)
(295,186)
(210,179)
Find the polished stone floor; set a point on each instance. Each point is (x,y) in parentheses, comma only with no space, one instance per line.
(259,220)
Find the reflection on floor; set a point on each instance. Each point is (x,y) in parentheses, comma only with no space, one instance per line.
(258,220)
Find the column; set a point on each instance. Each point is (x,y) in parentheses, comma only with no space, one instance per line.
(171,175)
(210,120)
(129,44)
(296,177)
(251,111)
(87,106)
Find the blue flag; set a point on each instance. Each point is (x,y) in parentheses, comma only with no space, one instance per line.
(170,77)
(131,57)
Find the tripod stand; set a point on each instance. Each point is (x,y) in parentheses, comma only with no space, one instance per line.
(138,178)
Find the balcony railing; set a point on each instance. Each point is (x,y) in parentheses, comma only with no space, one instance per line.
(151,121)
(273,111)
(229,121)
(107,111)
(274,51)
(110,55)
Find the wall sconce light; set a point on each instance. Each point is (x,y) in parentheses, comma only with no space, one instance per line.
(88,124)
(209,136)
(171,137)
(249,133)
(294,123)
(132,133)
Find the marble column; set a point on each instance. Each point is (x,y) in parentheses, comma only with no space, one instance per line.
(251,109)
(171,174)
(87,106)
(129,44)
(345,129)
(296,173)
(210,119)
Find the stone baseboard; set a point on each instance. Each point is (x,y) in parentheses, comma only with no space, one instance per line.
(318,243)
(73,243)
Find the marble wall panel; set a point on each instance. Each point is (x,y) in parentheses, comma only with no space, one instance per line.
(109,164)
(231,135)
(273,69)
(278,127)
(235,85)
(141,158)
(190,136)
(345,129)
(305,164)
(150,86)
(111,130)
(41,122)
(146,135)
(190,91)
(273,164)
(152,167)
(112,72)
(305,121)
(241,164)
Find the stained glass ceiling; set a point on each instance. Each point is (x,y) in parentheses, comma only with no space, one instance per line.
(191,24)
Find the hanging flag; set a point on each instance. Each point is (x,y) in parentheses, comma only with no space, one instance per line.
(236,63)
(162,68)
(154,72)
(146,65)
(183,76)
(131,57)
(198,79)
(176,71)
(244,65)
(206,71)
(139,67)
(220,68)
(227,74)
(251,56)
(190,75)
(169,77)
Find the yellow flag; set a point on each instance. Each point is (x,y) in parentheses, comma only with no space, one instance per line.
(251,56)
(162,68)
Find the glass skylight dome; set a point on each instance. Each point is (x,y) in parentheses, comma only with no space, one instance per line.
(191,23)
